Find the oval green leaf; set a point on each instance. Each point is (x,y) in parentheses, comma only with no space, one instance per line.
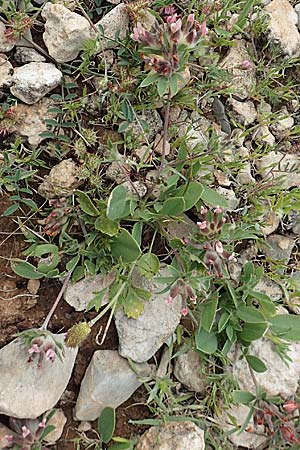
(257,364)
(148,265)
(107,423)
(125,246)
(206,342)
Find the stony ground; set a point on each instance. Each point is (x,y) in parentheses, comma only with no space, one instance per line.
(149,180)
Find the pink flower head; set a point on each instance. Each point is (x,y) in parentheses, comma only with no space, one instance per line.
(218,210)
(169,300)
(173,18)
(50,355)
(139,33)
(203,29)
(9,438)
(34,349)
(202,225)
(169,10)
(25,431)
(289,433)
(203,210)
(42,424)
(219,247)
(246,64)
(290,406)
(176,26)
(184,311)
(191,18)
(193,299)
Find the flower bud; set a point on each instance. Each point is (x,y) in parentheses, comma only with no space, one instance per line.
(77,334)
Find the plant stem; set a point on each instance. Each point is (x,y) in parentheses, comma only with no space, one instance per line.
(165,132)
(58,298)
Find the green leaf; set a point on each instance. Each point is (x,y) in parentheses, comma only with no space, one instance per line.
(287,326)
(72,263)
(125,246)
(10,210)
(257,364)
(212,197)
(127,111)
(239,25)
(151,78)
(137,232)
(148,265)
(26,270)
(86,204)
(191,193)
(173,206)
(107,226)
(122,446)
(107,423)
(223,321)
(251,331)
(243,397)
(209,313)
(118,205)
(206,342)
(250,314)
(133,306)
(162,86)
(232,293)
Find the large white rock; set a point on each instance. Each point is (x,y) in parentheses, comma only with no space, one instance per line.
(283,168)
(279,379)
(33,81)
(65,32)
(283,26)
(79,294)
(173,436)
(27,391)
(117,20)
(108,381)
(187,370)
(140,338)
(61,181)
(248,439)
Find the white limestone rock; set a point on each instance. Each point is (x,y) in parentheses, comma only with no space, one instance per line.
(65,32)
(79,294)
(27,391)
(116,20)
(24,55)
(187,370)
(33,81)
(283,26)
(278,379)
(173,436)
(283,168)
(244,112)
(108,381)
(140,338)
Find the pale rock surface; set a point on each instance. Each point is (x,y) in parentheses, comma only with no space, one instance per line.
(187,370)
(158,145)
(229,195)
(270,288)
(6,72)
(251,440)
(173,436)
(65,32)
(283,168)
(33,81)
(282,26)
(108,381)
(33,286)
(61,181)
(79,294)
(270,221)
(85,425)
(24,55)
(278,379)
(241,80)
(279,248)
(196,130)
(281,129)
(183,227)
(244,175)
(27,391)
(116,20)
(262,135)
(32,124)
(243,112)
(6,45)
(115,173)
(58,420)
(140,338)
(136,189)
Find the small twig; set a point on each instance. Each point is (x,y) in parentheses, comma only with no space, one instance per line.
(58,298)
(165,132)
